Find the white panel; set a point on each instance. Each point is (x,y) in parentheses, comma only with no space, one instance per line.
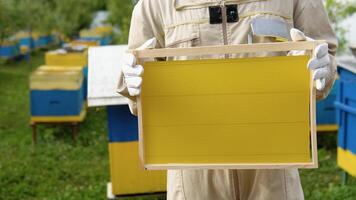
(104,68)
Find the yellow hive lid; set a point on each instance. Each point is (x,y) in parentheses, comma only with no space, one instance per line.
(37,34)
(88,33)
(84,43)
(56,52)
(104,30)
(8,42)
(60,68)
(22,34)
(53,58)
(56,79)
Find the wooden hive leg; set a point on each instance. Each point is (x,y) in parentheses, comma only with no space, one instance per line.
(344,178)
(74,130)
(34,133)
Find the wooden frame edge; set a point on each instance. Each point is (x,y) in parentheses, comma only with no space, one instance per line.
(226,49)
(313,126)
(310,165)
(141,148)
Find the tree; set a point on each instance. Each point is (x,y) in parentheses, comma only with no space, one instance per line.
(35,15)
(66,16)
(339,11)
(8,21)
(72,15)
(98,5)
(120,15)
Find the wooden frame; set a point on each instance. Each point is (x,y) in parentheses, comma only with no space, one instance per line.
(309,46)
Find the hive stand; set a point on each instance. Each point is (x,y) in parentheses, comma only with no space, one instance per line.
(74,122)
(74,126)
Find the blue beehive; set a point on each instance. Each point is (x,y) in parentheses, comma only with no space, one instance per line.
(346,118)
(9,50)
(101,40)
(126,176)
(122,124)
(25,39)
(106,40)
(27,42)
(85,86)
(56,92)
(325,115)
(43,41)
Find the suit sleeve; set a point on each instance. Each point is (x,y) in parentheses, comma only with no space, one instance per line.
(311,17)
(146,23)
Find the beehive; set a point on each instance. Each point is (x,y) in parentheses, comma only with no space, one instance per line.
(56,93)
(85,33)
(346,117)
(25,39)
(326,111)
(9,49)
(43,41)
(104,30)
(70,60)
(67,59)
(102,35)
(84,43)
(126,175)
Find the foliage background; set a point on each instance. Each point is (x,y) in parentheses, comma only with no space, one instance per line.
(57,168)
(120,16)
(69,16)
(66,16)
(338,11)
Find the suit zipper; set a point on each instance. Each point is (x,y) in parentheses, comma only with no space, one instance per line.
(224,24)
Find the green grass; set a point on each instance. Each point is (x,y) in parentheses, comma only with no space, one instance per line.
(326,182)
(56,168)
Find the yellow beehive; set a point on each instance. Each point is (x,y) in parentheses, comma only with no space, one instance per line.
(60,68)
(84,43)
(127,177)
(88,34)
(67,59)
(104,30)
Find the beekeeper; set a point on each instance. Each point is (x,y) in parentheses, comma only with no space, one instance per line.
(190,23)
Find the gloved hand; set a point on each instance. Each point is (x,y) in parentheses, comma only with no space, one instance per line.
(133,72)
(321,61)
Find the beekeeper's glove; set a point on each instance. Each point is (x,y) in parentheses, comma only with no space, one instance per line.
(321,61)
(133,72)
